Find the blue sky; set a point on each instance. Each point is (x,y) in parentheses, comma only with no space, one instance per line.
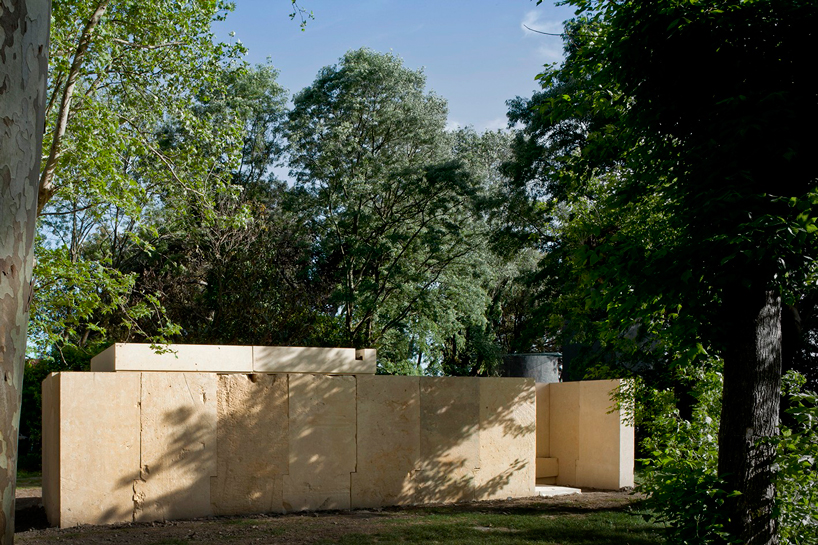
(475,53)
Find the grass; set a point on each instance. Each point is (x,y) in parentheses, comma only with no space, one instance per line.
(29,479)
(620,526)
(580,520)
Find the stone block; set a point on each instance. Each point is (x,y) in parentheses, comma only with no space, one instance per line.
(507,438)
(381,489)
(388,440)
(322,441)
(179,357)
(543,420)
(548,491)
(602,462)
(547,467)
(178,445)
(90,447)
(388,423)
(564,429)
(311,493)
(449,439)
(253,444)
(296,359)
(367,359)
(627,453)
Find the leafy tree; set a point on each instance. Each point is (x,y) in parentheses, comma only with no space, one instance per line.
(204,273)
(503,322)
(124,137)
(712,190)
(251,98)
(117,68)
(395,212)
(112,77)
(202,262)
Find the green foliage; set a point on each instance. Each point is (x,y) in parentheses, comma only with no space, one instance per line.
(680,476)
(144,64)
(396,203)
(125,138)
(796,476)
(251,99)
(82,299)
(682,206)
(301,13)
(162,214)
(205,271)
(382,242)
(674,196)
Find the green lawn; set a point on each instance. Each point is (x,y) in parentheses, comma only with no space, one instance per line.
(29,479)
(560,525)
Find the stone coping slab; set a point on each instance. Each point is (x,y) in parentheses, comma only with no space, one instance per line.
(200,358)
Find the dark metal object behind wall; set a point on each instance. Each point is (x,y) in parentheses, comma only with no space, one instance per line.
(542,367)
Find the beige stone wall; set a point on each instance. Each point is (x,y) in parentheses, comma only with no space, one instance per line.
(449,439)
(508,421)
(91,445)
(51,447)
(388,441)
(322,452)
(142,446)
(543,420)
(130,446)
(564,429)
(252,444)
(292,359)
(177,445)
(592,444)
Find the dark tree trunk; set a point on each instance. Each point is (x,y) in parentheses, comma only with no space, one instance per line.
(24,28)
(750,402)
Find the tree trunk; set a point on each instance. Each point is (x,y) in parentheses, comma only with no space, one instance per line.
(750,402)
(24,28)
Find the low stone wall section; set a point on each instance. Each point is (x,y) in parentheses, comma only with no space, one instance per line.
(581,440)
(143,446)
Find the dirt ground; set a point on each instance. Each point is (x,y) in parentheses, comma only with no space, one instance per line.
(293,529)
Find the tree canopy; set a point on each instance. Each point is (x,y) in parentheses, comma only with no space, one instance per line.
(703,192)
(396,210)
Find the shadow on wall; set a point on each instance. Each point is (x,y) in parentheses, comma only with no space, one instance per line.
(176,442)
(239,444)
(477,436)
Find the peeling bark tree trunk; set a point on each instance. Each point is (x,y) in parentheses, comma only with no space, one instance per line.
(750,403)
(24,26)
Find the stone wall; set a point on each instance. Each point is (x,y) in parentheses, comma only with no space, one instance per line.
(227,430)
(141,446)
(584,443)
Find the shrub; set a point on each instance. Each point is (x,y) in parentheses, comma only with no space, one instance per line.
(681,481)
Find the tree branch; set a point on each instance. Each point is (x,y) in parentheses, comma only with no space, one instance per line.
(47,178)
